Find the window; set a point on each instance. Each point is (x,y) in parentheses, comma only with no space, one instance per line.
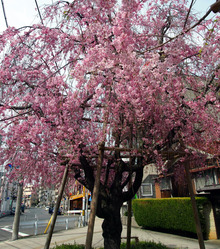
(205,179)
(165,184)
(146,189)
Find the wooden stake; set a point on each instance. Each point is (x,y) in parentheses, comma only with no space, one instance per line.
(49,236)
(95,195)
(129,226)
(129,202)
(195,210)
(94,199)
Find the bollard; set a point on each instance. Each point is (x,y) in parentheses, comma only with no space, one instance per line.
(35,226)
(67,222)
(79,221)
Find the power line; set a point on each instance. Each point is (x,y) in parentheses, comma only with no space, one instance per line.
(3,8)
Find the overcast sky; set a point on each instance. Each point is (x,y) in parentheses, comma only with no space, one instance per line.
(23,12)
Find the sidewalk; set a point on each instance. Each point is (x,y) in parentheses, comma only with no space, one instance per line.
(78,236)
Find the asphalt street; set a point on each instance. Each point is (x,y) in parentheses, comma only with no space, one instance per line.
(33,222)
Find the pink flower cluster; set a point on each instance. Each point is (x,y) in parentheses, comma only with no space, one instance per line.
(107,62)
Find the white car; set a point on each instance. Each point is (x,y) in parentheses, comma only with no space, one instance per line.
(47,208)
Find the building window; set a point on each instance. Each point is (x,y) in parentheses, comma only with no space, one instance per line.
(205,179)
(146,189)
(165,184)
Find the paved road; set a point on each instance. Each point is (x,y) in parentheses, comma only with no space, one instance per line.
(34,221)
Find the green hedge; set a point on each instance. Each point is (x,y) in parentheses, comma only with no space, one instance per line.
(170,214)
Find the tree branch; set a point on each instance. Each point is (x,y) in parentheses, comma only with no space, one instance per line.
(192,2)
(126,196)
(6,22)
(89,175)
(182,33)
(5,119)
(39,12)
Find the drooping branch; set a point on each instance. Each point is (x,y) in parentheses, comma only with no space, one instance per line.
(187,16)
(3,8)
(16,116)
(181,33)
(17,108)
(39,12)
(88,171)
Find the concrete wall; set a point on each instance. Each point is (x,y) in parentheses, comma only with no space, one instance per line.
(133,221)
(212,231)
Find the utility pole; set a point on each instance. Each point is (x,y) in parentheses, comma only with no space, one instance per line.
(17,212)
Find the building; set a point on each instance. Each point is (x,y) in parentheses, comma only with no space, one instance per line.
(8,192)
(205,181)
(47,196)
(148,186)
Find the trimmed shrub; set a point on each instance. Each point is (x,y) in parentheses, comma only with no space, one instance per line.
(144,245)
(170,214)
(139,245)
(69,246)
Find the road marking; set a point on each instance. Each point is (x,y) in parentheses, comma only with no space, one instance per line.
(11,231)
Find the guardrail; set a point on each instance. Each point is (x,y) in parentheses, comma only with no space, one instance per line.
(66,222)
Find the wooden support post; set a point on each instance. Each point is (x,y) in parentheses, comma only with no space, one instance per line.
(60,194)
(94,198)
(195,210)
(129,226)
(129,202)
(84,206)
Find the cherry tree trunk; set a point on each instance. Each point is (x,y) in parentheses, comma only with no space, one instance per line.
(112,228)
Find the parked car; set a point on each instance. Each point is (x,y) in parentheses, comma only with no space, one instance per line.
(22,208)
(47,208)
(13,211)
(51,210)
